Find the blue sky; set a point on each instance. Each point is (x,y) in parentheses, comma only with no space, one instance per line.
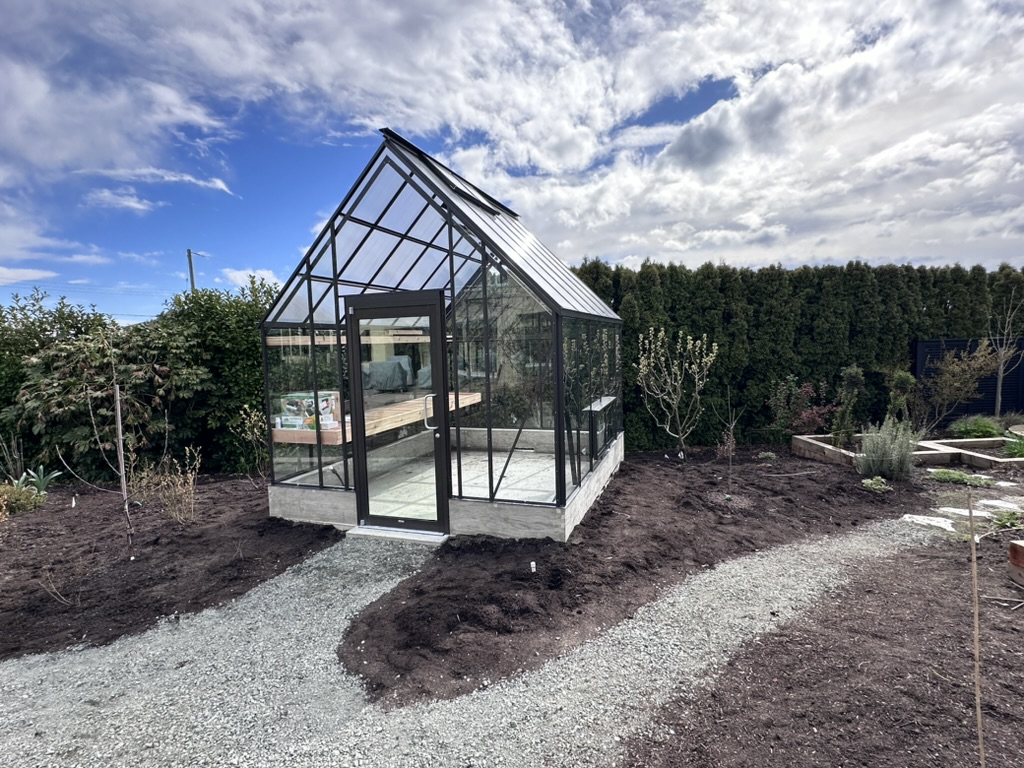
(747,133)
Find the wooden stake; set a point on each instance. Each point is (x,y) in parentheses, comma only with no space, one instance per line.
(120,464)
(977,633)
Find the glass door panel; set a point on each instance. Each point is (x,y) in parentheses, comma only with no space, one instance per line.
(399,422)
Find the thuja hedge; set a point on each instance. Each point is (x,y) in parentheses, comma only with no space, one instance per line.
(809,322)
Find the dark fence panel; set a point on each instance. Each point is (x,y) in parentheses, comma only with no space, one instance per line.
(926,353)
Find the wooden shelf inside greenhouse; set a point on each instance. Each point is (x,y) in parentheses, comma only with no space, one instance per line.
(378,420)
(323,339)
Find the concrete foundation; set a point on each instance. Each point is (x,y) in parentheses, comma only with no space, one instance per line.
(503,519)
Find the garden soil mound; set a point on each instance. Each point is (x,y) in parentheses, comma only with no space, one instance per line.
(486,608)
(68,576)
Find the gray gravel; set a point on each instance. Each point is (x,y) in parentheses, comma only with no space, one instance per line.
(256,682)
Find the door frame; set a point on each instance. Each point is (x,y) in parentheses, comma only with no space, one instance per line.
(403,304)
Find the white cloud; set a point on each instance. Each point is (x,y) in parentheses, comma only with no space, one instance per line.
(158,176)
(54,119)
(12,275)
(151,259)
(240,277)
(856,130)
(123,198)
(92,259)
(23,235)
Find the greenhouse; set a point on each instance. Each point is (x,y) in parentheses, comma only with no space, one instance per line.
(432,369)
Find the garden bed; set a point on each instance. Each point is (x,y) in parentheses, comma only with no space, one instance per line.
(821,448)
(982,453)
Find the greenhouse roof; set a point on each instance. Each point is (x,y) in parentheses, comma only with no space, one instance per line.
(392,233)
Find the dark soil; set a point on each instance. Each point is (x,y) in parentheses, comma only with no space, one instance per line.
(479,612)
(67,575)
(879,675)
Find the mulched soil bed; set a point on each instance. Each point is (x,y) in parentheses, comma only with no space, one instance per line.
(67,575)
(478,611)
(881,675)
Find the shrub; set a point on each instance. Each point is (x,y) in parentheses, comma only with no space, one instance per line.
(959,478)
(888,450)
(953,380)
(171,485)
(17,500)
(901,385)
(975,426)
(250,432)
(1007,520)
(799,409)
(876,484)
(1010,419)
(1014,449)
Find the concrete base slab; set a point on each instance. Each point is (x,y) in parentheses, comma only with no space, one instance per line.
(396,534)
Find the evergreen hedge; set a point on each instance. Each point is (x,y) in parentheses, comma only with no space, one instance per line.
(809,322)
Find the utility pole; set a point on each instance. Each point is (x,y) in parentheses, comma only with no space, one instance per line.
(191,271)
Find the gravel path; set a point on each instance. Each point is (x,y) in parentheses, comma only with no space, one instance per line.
(256,683)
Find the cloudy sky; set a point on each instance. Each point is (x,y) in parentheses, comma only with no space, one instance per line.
(749,133)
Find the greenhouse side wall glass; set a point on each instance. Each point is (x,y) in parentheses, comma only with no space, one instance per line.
(432,368)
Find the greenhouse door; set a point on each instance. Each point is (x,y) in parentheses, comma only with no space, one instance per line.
(399,409)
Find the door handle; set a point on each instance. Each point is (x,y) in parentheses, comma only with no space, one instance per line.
(426,413)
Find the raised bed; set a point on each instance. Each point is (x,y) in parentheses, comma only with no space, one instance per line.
(820,448)
(929,452)
(973,451)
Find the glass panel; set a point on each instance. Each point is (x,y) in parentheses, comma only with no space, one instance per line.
(428,226)
(575,392)
(323,261)
(289,387)
(398,401)
(403,212)
(370,257)
(440,279)
(323,305)
(510,351)
(333,411)
(466,273)
(469,371)
(346,242)
(296,309)
(379,193)
(400,262)
(465,247)
(432,263)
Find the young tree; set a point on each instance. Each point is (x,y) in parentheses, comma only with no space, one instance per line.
(1006,324)
(952,381)
(850,386)
(672,378)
